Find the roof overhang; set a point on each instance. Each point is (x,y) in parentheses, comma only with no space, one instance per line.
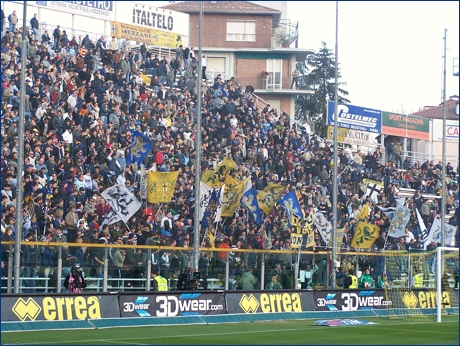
(300,54)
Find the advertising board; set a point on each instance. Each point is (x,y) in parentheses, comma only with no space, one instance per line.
(59,307)
(95,9)
(408,126)
(145,35)
(355,117)
(151,17)
(350,300)
(171,304)
(347,136)
(256,302)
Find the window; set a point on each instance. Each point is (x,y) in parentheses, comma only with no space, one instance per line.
(274,68)
(241,31)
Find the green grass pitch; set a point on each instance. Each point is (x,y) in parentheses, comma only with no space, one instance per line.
(385,332)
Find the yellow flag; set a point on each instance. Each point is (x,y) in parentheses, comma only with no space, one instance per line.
(364,213)
(365,235)
(339,237)
(216,177)
(232,197)
(296,240)
(268,196)
(310,238)
(210,236)
(160,186)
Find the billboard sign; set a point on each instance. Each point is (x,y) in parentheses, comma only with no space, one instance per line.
(350,300)
(355,117)
(352,137)
(148,36)
(408,126)
(96,9)
(151,17)
(59,307)
(173,304)
(257,302)
(452,130)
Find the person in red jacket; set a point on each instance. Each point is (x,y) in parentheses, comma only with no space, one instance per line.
(221,255)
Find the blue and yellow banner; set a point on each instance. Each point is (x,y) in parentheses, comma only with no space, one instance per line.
(139,148)
(268,196)
(291,205)
(249,200)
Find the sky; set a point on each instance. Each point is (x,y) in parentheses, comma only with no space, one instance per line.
(390,53)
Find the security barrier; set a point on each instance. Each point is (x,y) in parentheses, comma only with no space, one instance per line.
(72,307)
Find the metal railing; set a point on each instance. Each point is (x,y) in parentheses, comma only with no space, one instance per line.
(225,267)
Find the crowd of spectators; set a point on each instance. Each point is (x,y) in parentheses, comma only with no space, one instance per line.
(83,99)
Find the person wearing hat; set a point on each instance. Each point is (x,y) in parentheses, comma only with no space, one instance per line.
(159,283)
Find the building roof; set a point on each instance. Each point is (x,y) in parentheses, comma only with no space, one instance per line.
(436,111)
(227,7)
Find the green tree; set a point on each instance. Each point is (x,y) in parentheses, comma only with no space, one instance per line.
(317,73)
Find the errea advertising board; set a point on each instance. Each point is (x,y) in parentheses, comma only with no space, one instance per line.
(355,118)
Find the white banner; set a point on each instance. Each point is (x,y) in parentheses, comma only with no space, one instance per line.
(144,15)
(400,220)
(123,202)
(324,227)
(95,9)
(205,195)
(435,233)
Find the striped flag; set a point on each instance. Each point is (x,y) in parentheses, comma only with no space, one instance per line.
(423,229)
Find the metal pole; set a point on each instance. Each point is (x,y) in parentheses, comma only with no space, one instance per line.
(227,269)
(262,272)
(149,270)
(196,234)
(106,270)
(59,270)
(438,280)
(443,175)
(21,126)
(10,269)
(296,268)
(335,157)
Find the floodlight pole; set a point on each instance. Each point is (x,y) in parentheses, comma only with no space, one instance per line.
(335,156)
(21,127)
(443,174)
(197,226)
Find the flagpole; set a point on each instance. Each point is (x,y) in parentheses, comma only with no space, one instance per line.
(335,154)
(196,234)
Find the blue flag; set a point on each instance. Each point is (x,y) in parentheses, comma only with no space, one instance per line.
(291,205)
(213,209)
(139,148)
(250,201)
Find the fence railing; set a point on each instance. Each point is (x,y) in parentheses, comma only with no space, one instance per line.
(220,268)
